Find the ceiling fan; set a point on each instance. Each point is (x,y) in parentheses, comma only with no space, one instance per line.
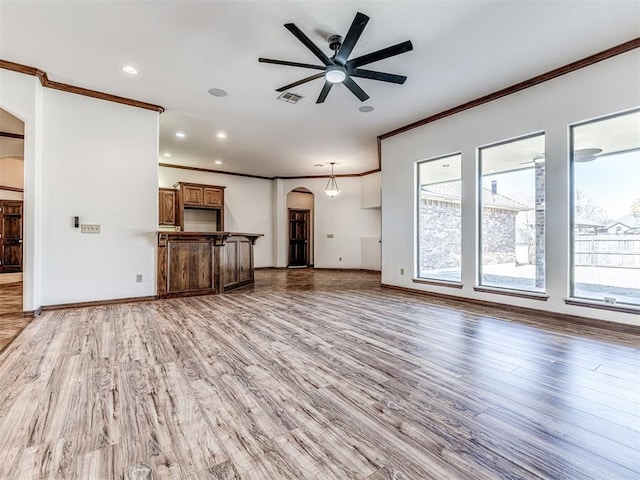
(338,69)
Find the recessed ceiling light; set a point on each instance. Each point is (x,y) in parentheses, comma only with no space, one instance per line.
(130,69)
(218,162)
(180,134)
(166,154)
(217,92)
(221,135)
(366,109)
(319,165)
(446,165)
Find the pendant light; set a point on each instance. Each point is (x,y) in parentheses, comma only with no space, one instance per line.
(332,186)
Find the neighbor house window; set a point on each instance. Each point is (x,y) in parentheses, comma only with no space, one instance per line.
(439,218)
(605,220)
(512,214)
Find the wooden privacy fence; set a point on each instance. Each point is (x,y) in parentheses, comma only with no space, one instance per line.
(607,251)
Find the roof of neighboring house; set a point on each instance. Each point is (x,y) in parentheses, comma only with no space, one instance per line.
(585,222)
(630,221)
(452,192)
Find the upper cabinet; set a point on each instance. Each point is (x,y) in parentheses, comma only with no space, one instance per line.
(167,198)
(200,196)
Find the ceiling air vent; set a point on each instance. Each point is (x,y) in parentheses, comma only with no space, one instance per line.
(289,97)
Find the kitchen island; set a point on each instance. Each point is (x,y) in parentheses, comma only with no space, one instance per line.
(204,263)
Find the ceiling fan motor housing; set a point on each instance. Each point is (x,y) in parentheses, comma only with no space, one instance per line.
(335,42)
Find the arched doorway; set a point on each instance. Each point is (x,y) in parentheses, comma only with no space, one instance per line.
(300,203)
(11,212)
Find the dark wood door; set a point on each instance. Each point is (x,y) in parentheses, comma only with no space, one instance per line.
(298,238)
(11,236)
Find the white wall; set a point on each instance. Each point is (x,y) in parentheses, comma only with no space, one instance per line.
(600,89)
(99,163)
(21,95)
(341,216)
(247,202)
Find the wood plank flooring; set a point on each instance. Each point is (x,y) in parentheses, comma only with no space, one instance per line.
(316,375)
(11,320)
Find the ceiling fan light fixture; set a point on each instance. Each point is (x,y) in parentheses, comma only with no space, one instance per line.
(335,74)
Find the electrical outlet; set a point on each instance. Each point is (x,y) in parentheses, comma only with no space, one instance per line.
(329,235)
(138,278)
(89,228)
(402,271)
(610,300)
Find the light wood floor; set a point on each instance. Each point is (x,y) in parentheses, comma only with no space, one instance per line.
(316,375)
(11,320)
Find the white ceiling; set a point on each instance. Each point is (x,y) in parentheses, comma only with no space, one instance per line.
(462,50)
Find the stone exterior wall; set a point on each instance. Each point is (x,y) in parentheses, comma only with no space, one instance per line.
(498,236)
(441,224)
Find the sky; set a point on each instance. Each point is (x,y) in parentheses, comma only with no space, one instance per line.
(613,182)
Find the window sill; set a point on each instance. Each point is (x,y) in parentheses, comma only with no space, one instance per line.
(513,293)
(616,307)
(439,283)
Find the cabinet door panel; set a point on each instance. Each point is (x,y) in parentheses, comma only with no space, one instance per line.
(167,207)
(192,195)
(231,263)
(212,197)
(190,266)
(244,260)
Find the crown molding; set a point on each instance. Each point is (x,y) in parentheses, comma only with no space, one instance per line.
(65,87)
(544,77)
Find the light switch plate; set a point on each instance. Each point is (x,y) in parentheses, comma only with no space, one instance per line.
(89,228)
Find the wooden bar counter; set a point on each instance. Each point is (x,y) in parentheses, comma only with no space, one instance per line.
(203,263)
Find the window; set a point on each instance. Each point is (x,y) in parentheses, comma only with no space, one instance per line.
(605,220)
(512,210)
(439,218)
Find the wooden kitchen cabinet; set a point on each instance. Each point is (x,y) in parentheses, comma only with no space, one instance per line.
(167,211)
(238,262)
(200,196)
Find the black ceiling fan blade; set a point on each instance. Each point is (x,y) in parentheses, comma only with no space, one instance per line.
(380,55)
(308,43)
(300,82)
(290,64)
(325,91)
(383,77)
(355,89)
(355,30)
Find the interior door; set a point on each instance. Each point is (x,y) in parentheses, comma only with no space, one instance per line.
(298,238)
(11,236)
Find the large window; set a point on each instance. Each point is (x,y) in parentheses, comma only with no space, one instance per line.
(439,218)
(606,209)
(512,209)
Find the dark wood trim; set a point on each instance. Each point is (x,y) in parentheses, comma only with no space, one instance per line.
(97,303)
(439,283)
(221,172)
(552,318)
(65,87)
(210,170)
(544,77)
(346,270)
(11,189)
(602,306)
(513,293)
(12,135)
